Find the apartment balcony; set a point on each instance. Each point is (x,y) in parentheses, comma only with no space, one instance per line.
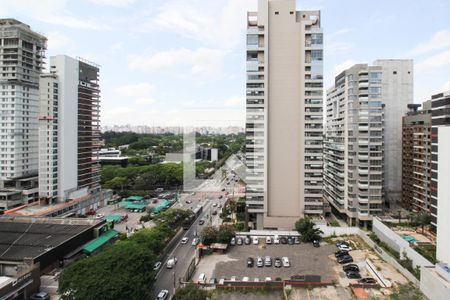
(363,171)
(255,30)
(363,186)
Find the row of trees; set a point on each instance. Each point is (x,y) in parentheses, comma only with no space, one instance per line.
(120,271)
(221,234)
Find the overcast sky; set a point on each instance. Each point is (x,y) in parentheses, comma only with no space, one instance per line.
(176,62)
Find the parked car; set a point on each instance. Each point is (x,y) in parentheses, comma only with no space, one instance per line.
(214,213)
(277,263)
(214,204)
(245,279)
(340,253)
(256,280)
(367,280)
(223,190)
(201,222)
(221,196)
(296,240)
(195,241)
(233,241)
(250,262)
(40,296)
(345,259)
(268,279)
(339,243)
(184,240)
(162,295)
(188,201)
(202,278)
(255,240)
(239,241)
(157,266)
(212,281)
(345,248)
(247,241)
(268,240)
(290,241)
(268,261)
(276,240)
(350,267)
(353,275)
(285,261)
(316,243)
(233,278)
(283,240)
(259,262)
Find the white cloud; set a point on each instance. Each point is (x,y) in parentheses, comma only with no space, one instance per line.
(57,40)
(340,32)
(235,101)
(202,61)
(115,3)
(334,47)
(113,115)
(446,86)
(116,46)
(439,40)
(434,62)
(144,101)
(138,90)
(73,22)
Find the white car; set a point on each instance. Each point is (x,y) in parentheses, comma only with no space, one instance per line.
(268,279)
(195,241)
(202,278)
(233,278)
(276,240)
(345,248)
(157,266)
(268,240)
(184,240)
(285,261)
(171,263)
(162,295)
(245,278)
(255,240)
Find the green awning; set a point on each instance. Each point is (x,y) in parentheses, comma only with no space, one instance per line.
(100,241)
(134,198)
(113,218)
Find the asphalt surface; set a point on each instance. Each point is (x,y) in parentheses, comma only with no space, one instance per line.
(206,195)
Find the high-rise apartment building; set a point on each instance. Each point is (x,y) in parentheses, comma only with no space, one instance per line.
(357,134)
(21,60)
(69,130)
(416,158)
(440,172)
(284,114)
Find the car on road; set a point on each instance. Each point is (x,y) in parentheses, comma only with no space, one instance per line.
(286,262)
(184,240)
(220,206)
(188,201)
(239,241)
(202,278)
(268,261)
(268,240)
(233,242)
(367,280)
(259,262)
(345,248)
(316,243)
(345,259)
(255,240)
(162,295)
(214,213)
(247,241)
(221,196)
(250,262)
(223,190)
(171,263)
(40,296)
(201,222)
(214,204)
(157,266)
(277,262)
(195,241)
(353,275)
(350,267)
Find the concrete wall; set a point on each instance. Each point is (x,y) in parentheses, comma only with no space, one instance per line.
(397,243)
(443,197)
(330,231)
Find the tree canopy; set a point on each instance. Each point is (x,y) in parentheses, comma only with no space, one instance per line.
(307,229)
(190,292)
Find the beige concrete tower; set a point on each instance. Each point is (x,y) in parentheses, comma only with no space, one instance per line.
(284,114)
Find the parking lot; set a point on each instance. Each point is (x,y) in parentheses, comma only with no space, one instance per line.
(304,260)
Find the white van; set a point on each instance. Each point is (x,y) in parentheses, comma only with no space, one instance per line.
(202,278)
(171,263)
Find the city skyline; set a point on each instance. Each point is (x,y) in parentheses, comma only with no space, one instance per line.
(201,45)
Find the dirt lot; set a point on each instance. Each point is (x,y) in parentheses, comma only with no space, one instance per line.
(304,259)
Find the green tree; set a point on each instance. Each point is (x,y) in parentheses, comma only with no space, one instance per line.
(209,235)
(307,229)
(421,219)
(225,233)
(190,292)
(116,183)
